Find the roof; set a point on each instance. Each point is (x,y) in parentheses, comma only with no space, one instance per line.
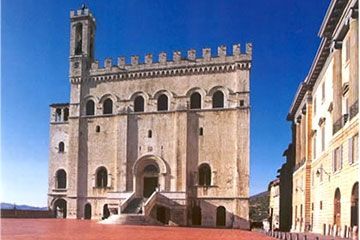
(59,104)
(332,17)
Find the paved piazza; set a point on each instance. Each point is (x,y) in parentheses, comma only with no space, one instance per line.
(83,229)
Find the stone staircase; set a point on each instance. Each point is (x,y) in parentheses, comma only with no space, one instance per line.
(132,215)
(134,206)
(131,219)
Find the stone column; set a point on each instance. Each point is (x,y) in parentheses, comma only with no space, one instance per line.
(337,81)
(354,63)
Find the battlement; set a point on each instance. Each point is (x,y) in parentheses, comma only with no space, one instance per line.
(82,12)
(177,60)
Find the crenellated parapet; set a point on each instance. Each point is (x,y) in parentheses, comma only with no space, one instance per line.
(177,65)
(80,13)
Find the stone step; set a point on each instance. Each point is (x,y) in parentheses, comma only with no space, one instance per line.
(130,219)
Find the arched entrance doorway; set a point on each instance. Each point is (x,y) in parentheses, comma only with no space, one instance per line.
(150,179)
(337,207)
(220,216)
(355,205)
(106,212)
(196,216)
(87,211)
(60,208)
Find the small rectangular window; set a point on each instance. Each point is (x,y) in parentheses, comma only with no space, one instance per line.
(353,149)
(347,49)
(314,146)
(323,92)
(201,131)
(241,103)
(322,138)
(320,205)
(337,159)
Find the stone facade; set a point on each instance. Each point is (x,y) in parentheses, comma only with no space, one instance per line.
(168,139)
(325,127)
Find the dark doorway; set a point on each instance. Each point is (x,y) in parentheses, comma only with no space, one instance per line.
(163,214)
(87,211)
(337,207)
(60,208)
(106,212)
(196,216)
(220,216)
(355,205)
(150,184)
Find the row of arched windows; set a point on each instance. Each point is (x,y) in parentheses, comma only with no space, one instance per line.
(101,179)
(162,103)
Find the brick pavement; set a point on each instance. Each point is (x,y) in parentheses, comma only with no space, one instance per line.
(15,229)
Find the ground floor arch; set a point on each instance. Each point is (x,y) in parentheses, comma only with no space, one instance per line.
(355,205)
(196,216)
(60,208)
(87,211)
(337,207)
(106,211)
(220,216)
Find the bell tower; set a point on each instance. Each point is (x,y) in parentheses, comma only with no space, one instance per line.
(82,39)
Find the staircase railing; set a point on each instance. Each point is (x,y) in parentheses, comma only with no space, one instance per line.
(150,203)
(126,202)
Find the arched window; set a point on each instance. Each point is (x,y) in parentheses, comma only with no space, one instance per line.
(139,104)
(355,205)
(61,147)
(218,99)
(162,103)
(220,216)
(66,114)
(195,101)
(108,106)
(61,179)
(337,207)
(78,39)
(90,108)
(101,177)
(204,175)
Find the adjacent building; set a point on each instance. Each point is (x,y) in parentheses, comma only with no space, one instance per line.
(163,139)
(325,128)
(274,204)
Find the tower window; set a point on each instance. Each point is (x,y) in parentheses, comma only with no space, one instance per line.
(61,179)
(149,134)
(101,177)
(97,129)
(242,103)
(58,115)
(66,114)
(204,175)
(139,104)
(108,106)
(195,101)
(61,147)
(90,108)
(78,39)
(162,103)
(218,99)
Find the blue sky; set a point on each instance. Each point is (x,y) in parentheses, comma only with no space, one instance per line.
(35,48)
